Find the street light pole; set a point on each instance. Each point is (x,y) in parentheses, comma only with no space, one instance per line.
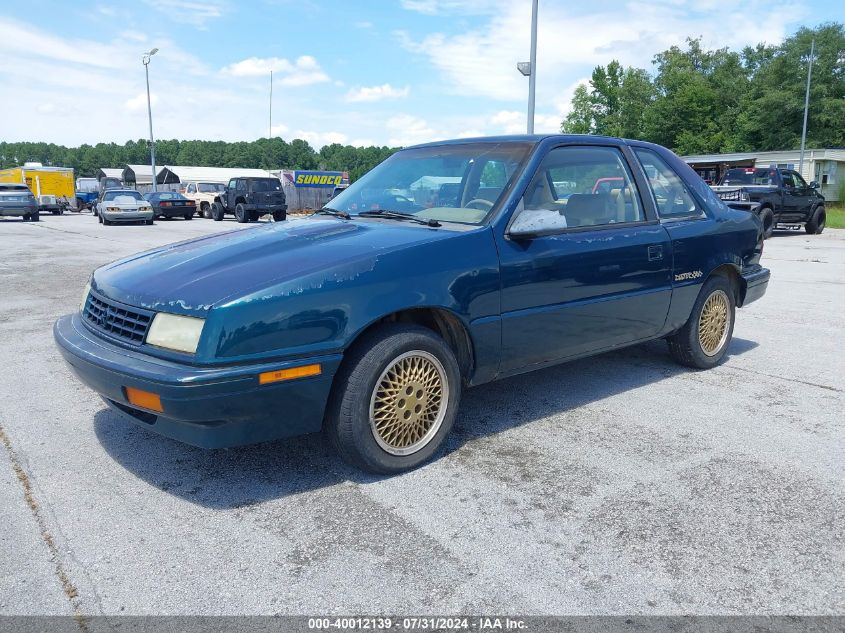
(806,107)
(532,78)
(146,61)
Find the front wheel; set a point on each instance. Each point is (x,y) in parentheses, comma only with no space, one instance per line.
(205,211)
(395,399)
(705,338)
(816,224)
(217,212)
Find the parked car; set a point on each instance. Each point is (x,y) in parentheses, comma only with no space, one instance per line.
(250,198)
(203,194)
(368,322)
(171,204)
(778,196)
(123,205)
(16,200)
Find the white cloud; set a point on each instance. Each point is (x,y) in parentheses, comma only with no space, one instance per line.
(302,72)
(194,12)
(446,7)
(318,139)
(481,61)
(405,129)
(138,103)
(376,93)
(279,130)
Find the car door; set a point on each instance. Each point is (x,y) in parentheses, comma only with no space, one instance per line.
(231,193)
(797,197)
(582,270)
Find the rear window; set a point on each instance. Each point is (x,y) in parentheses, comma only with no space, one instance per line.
(170,195)
(122,195)
(271,184)
(13,187)
(750,176)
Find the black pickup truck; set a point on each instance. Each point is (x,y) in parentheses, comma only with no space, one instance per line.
(778,196)
(249,198)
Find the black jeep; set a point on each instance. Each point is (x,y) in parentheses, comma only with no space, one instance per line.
(250,198)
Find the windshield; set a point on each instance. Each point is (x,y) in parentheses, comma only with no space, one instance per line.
(87,184)
(210,187)
(122,196)
(452,183)
(751,176)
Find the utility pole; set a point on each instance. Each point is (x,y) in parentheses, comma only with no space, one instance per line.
(529,68)
(146,61)
(806,107)
(271,105)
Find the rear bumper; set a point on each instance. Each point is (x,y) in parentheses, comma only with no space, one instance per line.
(754,284)
(15,211)
(210,407)
(266,208)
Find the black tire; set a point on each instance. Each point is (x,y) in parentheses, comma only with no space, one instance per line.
(25,217)
(768,220)
(189,216)
(686,344)
(348,421)
(99,217)
(149,222)
(817,222)
(216,212)
(35,216)
(205,211)
(107,222)
(241,214)
(280,216)
(254,216)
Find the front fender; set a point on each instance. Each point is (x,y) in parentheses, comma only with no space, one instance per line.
(324,311)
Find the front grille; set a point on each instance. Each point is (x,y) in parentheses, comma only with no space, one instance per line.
(116,319)
(733,194)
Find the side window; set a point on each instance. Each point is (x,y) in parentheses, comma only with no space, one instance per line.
(232,184)
(800,183)
(581,186)
(788,180)
(192,188)
(671,193)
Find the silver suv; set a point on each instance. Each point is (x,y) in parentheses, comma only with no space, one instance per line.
(16,200)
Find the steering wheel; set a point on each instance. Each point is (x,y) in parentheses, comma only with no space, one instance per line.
(486,205)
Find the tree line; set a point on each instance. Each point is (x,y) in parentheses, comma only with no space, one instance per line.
(265,153)
(698,101)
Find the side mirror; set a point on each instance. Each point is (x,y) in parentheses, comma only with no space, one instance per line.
(814,184)
(534,222)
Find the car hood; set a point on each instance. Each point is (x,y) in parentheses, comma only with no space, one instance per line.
(192,277)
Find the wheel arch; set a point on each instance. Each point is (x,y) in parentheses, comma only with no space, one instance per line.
(731,272)
(442,321)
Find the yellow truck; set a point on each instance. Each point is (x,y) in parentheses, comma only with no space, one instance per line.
(53,187)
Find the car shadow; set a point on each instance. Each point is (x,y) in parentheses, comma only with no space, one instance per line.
(250,475)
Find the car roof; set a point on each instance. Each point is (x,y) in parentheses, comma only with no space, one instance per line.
(520,138)
(13,185)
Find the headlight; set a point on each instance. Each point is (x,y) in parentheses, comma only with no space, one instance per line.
(172,331)
(147,208)
(112,208)
(85,296)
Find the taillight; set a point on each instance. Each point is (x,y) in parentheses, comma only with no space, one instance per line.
(191,203)
(166,204)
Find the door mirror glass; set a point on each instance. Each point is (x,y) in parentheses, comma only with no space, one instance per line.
(531,222)
(814,184)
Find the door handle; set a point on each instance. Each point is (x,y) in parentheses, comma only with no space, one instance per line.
(655,253)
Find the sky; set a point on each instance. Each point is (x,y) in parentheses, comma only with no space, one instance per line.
(383,72)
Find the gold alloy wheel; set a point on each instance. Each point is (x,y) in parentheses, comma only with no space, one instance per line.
(409,403)
(714,323)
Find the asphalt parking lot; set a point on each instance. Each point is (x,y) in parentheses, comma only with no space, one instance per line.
(619,484)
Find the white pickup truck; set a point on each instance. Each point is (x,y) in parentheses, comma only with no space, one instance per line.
(203,194)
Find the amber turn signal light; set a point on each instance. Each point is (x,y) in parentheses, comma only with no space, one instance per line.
(289,374)
(144,399)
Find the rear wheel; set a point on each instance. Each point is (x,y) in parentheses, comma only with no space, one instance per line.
(35,216)
(241,214)
(395,399)
(816,224)
(768,220)
(205,211)
(150,222)
(279,216)
(705,338)
(189,216)
(217,212)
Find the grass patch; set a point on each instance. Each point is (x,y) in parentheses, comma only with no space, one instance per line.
(835,216)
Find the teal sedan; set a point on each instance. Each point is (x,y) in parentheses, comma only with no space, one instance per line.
(449,265)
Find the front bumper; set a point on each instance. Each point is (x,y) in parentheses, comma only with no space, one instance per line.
(210,407)
(754,283)
(127,216)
